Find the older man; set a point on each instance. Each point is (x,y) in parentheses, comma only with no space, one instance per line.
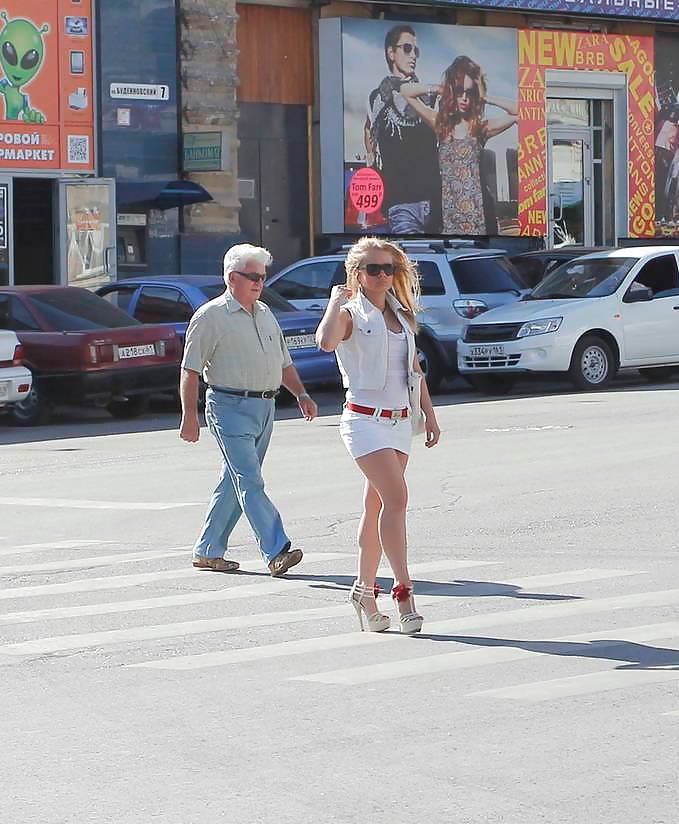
(235,342)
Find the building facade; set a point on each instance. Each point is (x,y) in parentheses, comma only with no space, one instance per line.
(149,147)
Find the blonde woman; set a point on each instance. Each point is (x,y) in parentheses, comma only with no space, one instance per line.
(370,325)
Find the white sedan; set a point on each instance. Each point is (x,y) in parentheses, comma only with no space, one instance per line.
(588,319)
(15,379)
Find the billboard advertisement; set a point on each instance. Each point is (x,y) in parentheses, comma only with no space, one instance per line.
(540,51)
(667,136)
(46,85)
(429,128)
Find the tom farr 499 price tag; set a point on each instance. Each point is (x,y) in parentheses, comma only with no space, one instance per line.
(366,190)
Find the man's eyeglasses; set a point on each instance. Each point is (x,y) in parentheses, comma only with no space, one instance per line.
(373,269)
(408,48)
(253,276)
(466,91)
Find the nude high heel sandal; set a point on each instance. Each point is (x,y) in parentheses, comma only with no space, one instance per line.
(364,601)
(411,622)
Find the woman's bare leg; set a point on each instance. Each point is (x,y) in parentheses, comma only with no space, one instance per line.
(369,545)
(384,471)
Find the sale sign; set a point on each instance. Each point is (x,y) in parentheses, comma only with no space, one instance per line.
(366,190)
(631,55)
(46,85)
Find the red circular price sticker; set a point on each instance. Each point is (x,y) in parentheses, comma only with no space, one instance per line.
(366,190)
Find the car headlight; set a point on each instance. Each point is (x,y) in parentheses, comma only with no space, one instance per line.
(539,327)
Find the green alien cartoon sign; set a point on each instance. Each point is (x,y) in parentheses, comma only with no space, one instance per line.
(22,55)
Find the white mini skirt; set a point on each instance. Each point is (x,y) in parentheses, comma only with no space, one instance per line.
(363,434)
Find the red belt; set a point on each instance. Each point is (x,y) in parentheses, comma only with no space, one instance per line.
(380,413)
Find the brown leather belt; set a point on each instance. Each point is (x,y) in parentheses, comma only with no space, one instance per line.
(397,414)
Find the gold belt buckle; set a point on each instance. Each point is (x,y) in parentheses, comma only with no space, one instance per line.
(396,414)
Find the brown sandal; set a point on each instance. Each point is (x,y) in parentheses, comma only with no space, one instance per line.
(215,564)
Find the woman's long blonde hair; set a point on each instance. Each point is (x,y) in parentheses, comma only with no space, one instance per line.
(406,283)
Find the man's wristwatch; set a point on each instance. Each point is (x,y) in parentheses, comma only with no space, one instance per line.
(303,396)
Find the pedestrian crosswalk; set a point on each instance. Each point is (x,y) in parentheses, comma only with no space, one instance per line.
(129,612)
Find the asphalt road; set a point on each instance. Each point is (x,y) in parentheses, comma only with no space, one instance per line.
(545,688)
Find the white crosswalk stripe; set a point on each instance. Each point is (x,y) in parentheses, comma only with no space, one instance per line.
(137,579)
(96,561)
(269,587)
(354,639)
(70,503)
(469,645)
(586,645)
(51,545)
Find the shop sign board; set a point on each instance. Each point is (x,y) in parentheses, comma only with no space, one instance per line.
(647,9)
(203,152)
(141,91)
(46,86)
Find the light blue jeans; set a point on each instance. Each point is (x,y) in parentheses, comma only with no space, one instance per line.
(242,428)
(409,218)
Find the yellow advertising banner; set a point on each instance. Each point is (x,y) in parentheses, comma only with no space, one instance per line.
(628,55)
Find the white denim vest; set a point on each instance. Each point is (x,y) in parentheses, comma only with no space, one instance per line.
(362,358)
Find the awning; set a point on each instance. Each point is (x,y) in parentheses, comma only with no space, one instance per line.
(161,195)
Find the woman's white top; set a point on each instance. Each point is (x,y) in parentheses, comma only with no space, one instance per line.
(395,392)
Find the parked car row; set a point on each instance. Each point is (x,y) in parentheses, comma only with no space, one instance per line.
(589,317)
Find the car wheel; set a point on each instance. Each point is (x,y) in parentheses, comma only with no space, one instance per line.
(430,364)
(35,410)
(661,374)
(593,364)
(131,408)
(492,384)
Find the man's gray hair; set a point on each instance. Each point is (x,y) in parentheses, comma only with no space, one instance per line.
(238,257)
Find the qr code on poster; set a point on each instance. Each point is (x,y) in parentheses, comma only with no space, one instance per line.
(78,148)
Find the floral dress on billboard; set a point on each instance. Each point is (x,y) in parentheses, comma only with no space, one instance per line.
(461,194)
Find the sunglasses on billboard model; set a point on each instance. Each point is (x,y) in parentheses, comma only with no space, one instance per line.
(466,91)
(253,276)
(373,269)
(408,48)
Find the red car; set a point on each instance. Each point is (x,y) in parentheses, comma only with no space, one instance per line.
(83,350)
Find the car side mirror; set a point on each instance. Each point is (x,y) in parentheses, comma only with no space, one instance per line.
(638,295)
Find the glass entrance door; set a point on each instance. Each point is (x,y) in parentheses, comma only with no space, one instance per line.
(87,224)
(570,209)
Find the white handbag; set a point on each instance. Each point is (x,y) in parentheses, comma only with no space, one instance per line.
(416,413)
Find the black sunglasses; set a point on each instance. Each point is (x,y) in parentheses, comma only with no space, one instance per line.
(408,48)
(460,91)
(373,269)
(253,276)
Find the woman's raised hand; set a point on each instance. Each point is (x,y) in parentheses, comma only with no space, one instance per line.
(340,293)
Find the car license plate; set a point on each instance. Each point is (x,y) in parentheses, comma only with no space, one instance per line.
(4,390)
(136,351)
(487,351)
(300,341)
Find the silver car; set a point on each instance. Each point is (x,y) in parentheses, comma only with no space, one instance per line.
(458,282)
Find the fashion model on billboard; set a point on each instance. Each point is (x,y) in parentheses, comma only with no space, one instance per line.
(462,131)
(395,136)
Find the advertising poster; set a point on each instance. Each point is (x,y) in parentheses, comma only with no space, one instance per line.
(89,234)
(667,137)
(430,128)
(46,107)
(631,55)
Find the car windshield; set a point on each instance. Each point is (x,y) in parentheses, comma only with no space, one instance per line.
(480,275)
(271,298)
(77,309)
(584,278)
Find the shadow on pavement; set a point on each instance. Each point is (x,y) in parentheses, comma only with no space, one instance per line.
(635,656)
(86,422)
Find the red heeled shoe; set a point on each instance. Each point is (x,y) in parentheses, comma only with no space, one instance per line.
(411,622)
